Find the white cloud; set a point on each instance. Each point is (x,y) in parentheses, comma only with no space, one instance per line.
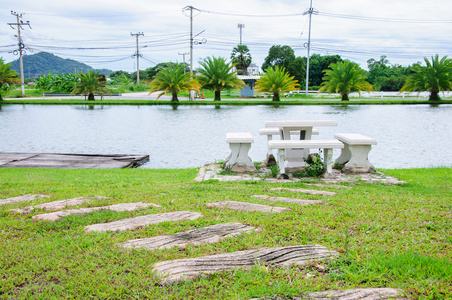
(99,23)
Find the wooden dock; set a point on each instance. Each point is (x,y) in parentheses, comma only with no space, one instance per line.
(71,161)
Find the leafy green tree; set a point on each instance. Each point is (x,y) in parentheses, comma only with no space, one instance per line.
(242,59)
(384,76)
(172,79)
(120,73)
(282,56)
(89,84)
(319,63)
(276,80)
(7,75)
(344,78)
(59,83)
(435,77)
(216,75)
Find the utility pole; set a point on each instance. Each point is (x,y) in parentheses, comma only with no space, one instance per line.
(190,8)
(240,26)
(183,57)
(308,44)
(137,54)
(19,23)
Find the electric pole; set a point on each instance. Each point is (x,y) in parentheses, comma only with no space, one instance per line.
(308,44)
(240,26)
(183,57)
(137,54)
(19,23)
(190,8)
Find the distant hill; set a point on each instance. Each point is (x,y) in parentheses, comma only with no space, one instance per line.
(42,63)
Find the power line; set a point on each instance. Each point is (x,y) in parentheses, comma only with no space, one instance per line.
(379,19)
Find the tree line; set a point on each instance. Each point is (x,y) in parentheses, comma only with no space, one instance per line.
(283,72)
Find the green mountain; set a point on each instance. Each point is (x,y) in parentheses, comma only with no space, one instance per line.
(43,63)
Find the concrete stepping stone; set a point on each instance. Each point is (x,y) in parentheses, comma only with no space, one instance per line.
(54,216)
(186,269)
(127,224)
(287,200)
(306,191)
(60,204)
(329,185)
(244,206)
(28,197)
(210,234)
(356,294)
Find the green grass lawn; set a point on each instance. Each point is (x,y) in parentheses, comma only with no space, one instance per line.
(397,236)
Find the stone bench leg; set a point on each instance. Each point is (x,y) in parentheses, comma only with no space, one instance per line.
(269,159)
(328,160)
(282,160)
(345,155)
(238,160)
(358,161)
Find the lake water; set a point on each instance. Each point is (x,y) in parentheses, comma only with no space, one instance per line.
(191,136)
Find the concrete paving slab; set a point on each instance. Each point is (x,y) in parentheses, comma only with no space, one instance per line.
(132,223)
(186,269)
(210,234)
(244,206)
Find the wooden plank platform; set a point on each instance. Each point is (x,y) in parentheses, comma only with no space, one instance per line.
(71,161)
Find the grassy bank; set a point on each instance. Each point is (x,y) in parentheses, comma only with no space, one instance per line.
(224,102)
(387,236)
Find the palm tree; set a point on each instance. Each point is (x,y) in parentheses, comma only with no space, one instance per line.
(173,80)
(241,57)
(216,75)
(435,77)
(276,80)
(344,78)
(90,83)
(7,76)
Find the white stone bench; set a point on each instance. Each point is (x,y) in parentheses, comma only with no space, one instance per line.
(270,132)
(326,145)
(354,155)
(238,160)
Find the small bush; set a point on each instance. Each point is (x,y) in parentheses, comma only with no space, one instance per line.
(315,167)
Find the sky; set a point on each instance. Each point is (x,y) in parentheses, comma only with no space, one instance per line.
(98,32)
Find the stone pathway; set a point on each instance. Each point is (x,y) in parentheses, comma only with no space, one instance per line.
(287,200)
(54,216)
(211,171)
(60,204)
(28,197)
(186,269)
(305,191)
(210,234)
(244,206)
(132,223)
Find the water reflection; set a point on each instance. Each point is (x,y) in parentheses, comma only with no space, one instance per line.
(91,107)
(344,108)
(190,136)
